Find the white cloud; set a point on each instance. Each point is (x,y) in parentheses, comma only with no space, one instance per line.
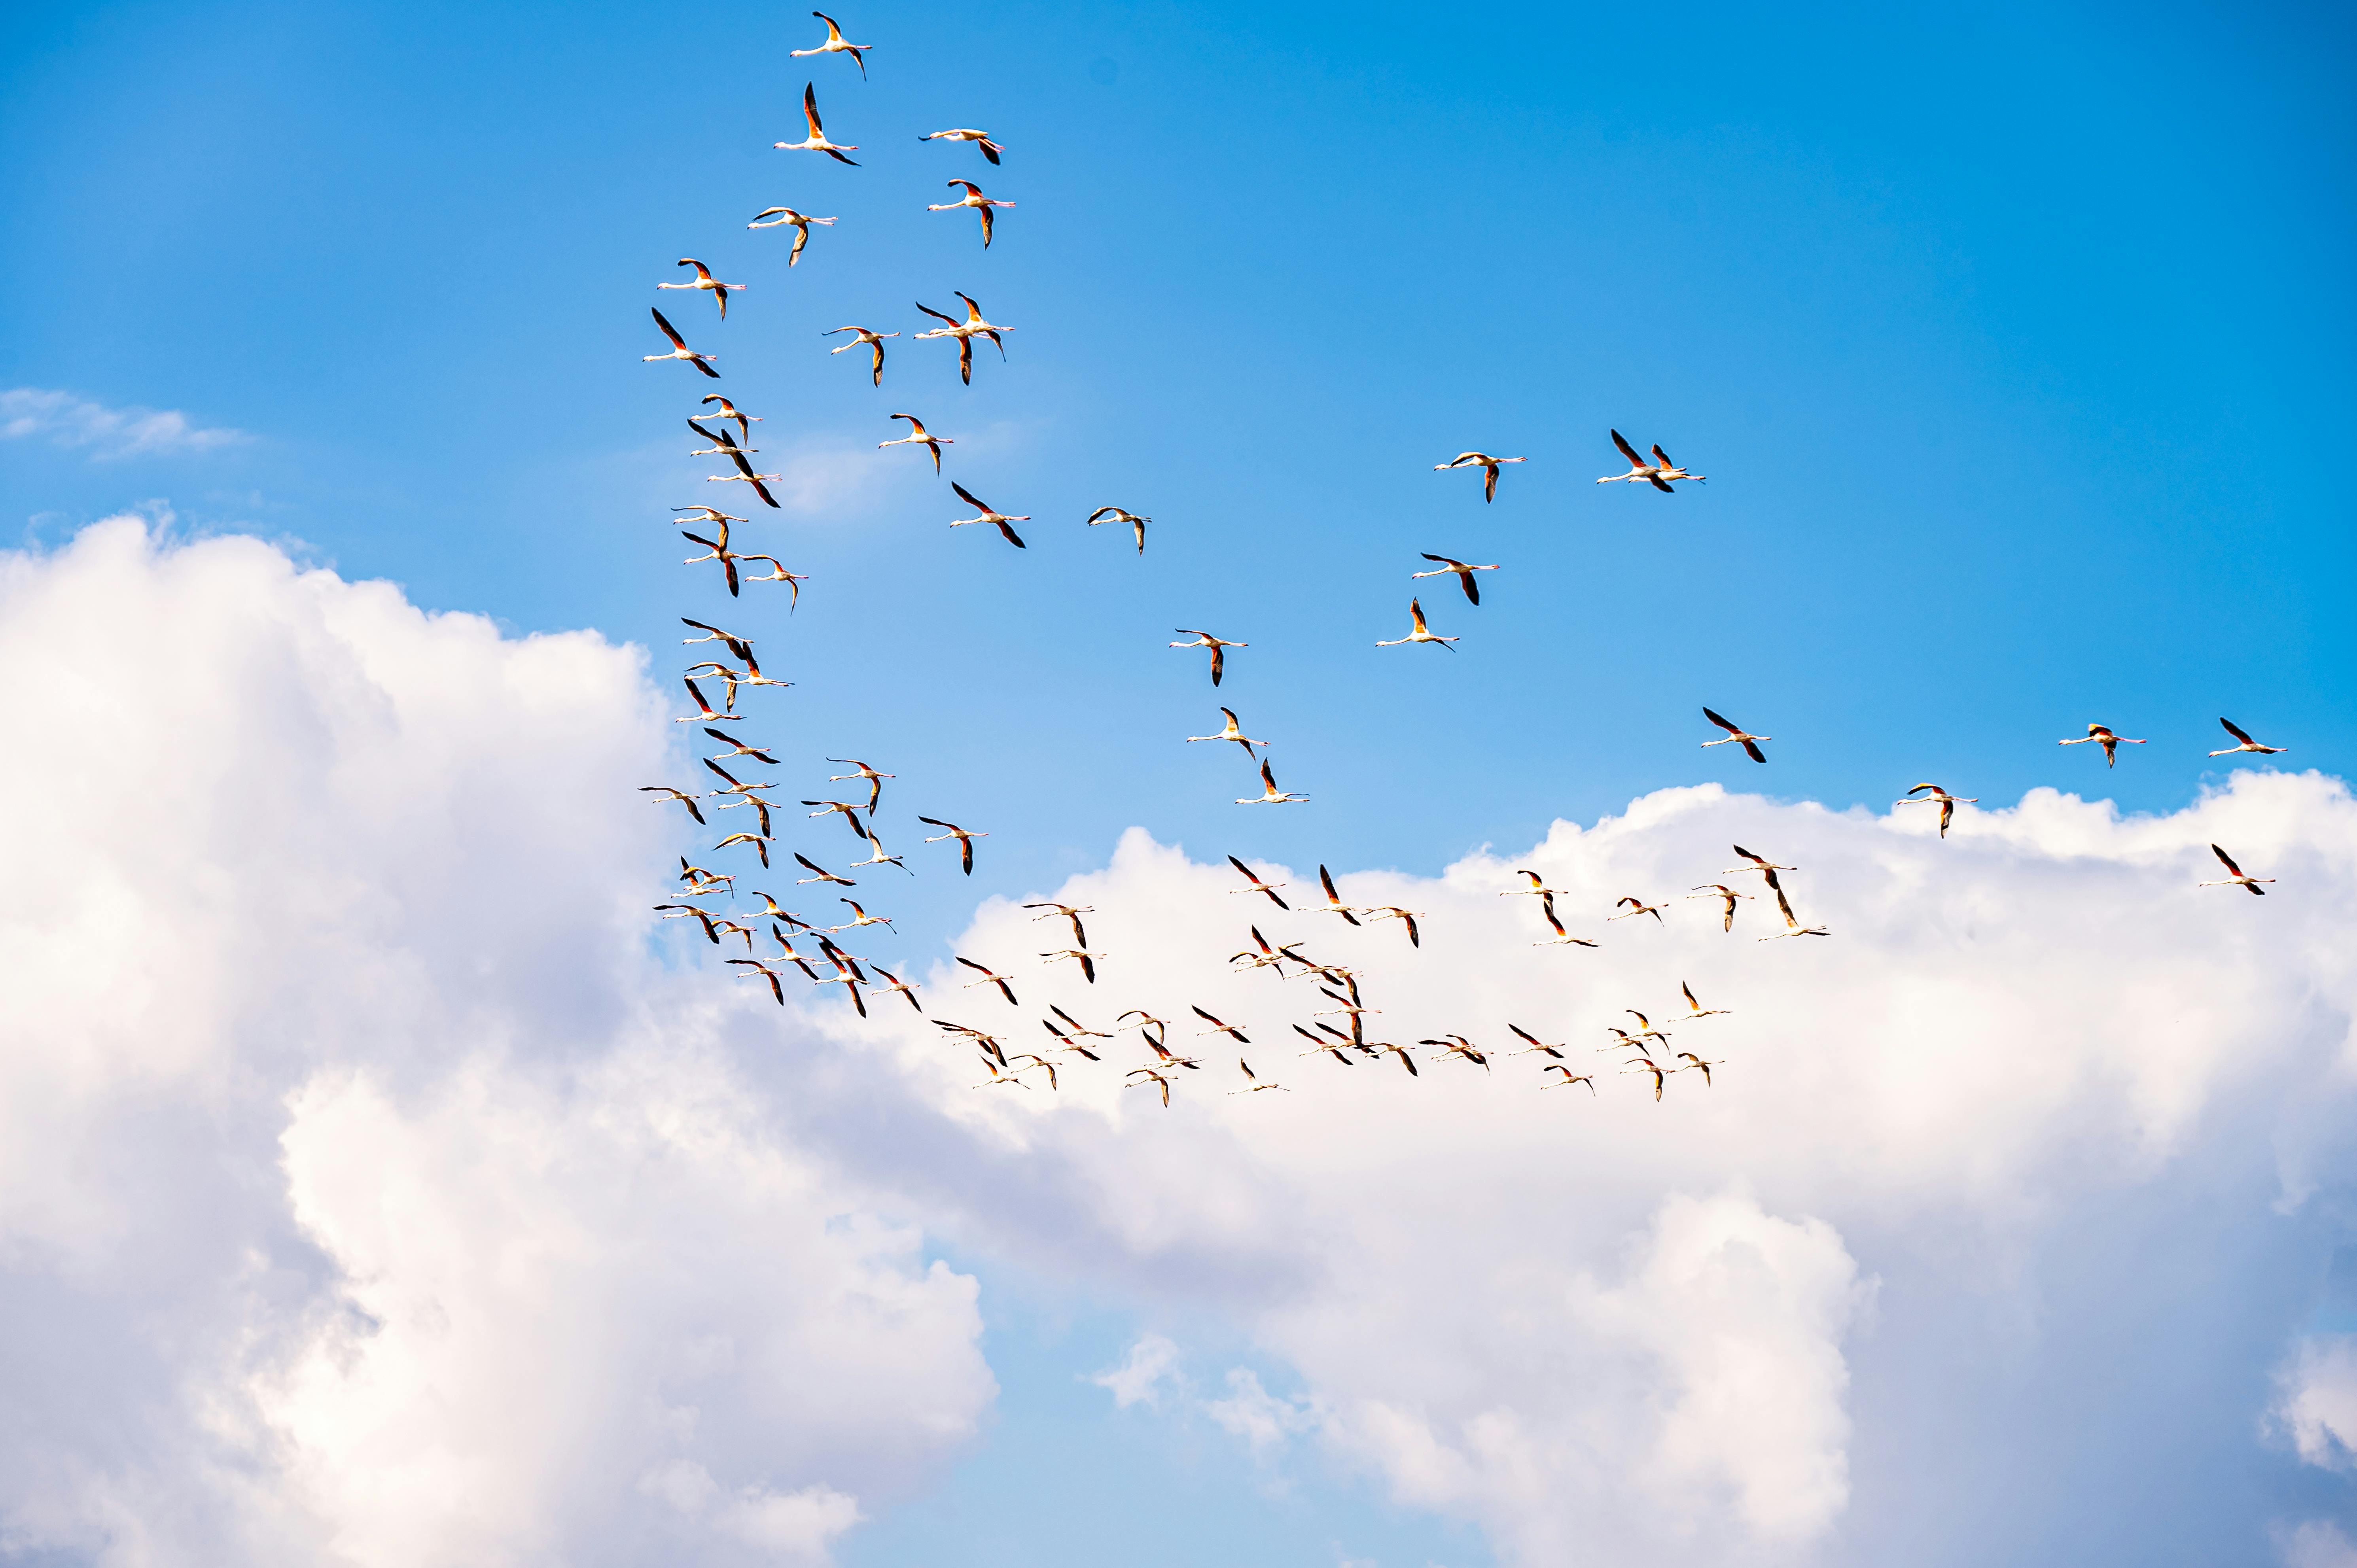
(1150,1361)
(1604,1327)
(1251,1413)
(2316,1544)
(368,1195)
(76,421)
(2318,1401)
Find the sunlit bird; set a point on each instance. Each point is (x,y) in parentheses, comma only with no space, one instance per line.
(874,781)
(1270,795)
(1737,735)
(670,794)
(1115,514)
(990,149)
(1720,890)
(836,46)
(2235,877)
(2102,735)
(918,436)
(816,142)
(965,839)
(974,198)
(1218,645)
(1462,571)
(1568,1078)
(1532,1043)
(1696,1009)
(1418,631)
(2247,743)
(705,281)
(1630,906)
(1266,889)
(679,349)
(1483,461)
(874,341)
(990,977)
(1947,803)
(1333,900)
(1234,732)
(983,513)
(781,217)
(965,332)
(745,422)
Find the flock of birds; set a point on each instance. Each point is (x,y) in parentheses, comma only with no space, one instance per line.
(781,946)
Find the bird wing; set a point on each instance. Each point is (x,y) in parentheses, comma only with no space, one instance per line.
(968,497)
(1627,451)
(2234,730)
(1729,728)
(668,330)
(1751,749)
(1664,457)
(2227,861)
(809,112)
(936,315)
(972,310)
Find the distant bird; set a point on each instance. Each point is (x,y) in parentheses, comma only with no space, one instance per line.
(2103,736)
(860,916)
(1463,572)
(965,332)
(713,515)
(1533,1042)
(778,217)
(817,142)
(2247,743)
(2234,877)
(1233,731)
(1459,1046)
(1792,927)
(974,198)
(724,445)
(1664,470)
(670,794)
(1767,868)
(876,856)
(1948,803)
(1267,889)
(917,436)
(1220,1026)
(1697,1064)
(1629,907)
(1737,735)
(1270,794)
(745,422)
(990,149)
(1720,890)
(705,280)
(1394,912)
(990,977)
(1568,1078)
(1218,647)
(1561,938)
(1406,1057)
(756,840)
(874,341)
(1147,1072)
(1071,912)
(1696,1009)
(1646,1064)
(965,839)
(1419,632)
(1333,900)
(1483,461)
(716,550)
(739,748)
(874,779)
(679,349)
(1115,514)
(1085,956)
(1537,886)
(820,873)
(704,711)
(983,513)
(761,970)
(848,812)
(836,46)
(1657,473)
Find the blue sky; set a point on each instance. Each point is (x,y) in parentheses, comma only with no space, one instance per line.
(2014,342)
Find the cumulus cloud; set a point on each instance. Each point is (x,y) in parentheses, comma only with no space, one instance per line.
(369,1192)
(1151,1361)
(2318,1401)
(66,420)
(1609,1328)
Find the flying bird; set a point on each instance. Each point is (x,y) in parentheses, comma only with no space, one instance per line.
(1561,938)
(1696,1009)
(670,794)
(817,142)
(724,445)
(1948,803)
(745,422)
(990,149)
(756,840)
(1464,573)
(1333,899)
(778,217)
(917,436)
(965,839)
(983,513)
(874,341)
(1394,912)
(1071,912)
(1220,1026)
(679,349)
(1082,956)
(1267,888)
(704,711)
(2247,743)
(990,977)
(1629,907)
(705,280)
(974,198)
(1233,731)
(1737,735)
(820,873)
(2234,877)
(1115,514)
(836,46)
(1270,794)
(1419,632)
(965,332)
(1218,647)
(875,779)
(2103,736)
(1147,1072)
(1483,461)
(1533,1042)
(1657,473)
(1568,1078)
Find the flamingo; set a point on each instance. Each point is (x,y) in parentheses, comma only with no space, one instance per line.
(965,839)
(817,142)
(1463,572)
(679,349)
(917,436)
(1483,461)
(705,280)
(1948,803)
(874,781)
(2235,877)
(1419,632)
(836,46)
(779,217)
(1233,731)
(974,198)
(965,332)
(1737,735)
(983,513)
(1568,1078)
(1720,890)
(990,977)
(2102,735)
(1270,794)
(2247,743)
(990,149)
(745,422)
(1630,906)
(874,341)
(1218,645)
(1696,1009)
(1115,514)
(670,794)
(1267,889)
(1333,899)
